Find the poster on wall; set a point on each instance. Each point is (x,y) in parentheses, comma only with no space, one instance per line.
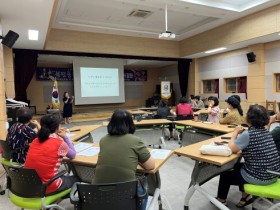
(165,91)
(61,74)
(135,75)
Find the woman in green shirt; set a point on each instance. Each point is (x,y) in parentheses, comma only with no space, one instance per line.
(235,116)
(121,151)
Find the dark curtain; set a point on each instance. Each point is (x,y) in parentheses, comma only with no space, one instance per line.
(242,85)
(183,73)
(216,85)
(25,65)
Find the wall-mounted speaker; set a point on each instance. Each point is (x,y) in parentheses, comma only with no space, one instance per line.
(251,57)
(10,39)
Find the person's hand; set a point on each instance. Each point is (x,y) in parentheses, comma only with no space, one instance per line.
(239,129)
(35,122)
(272,119)
(62,132)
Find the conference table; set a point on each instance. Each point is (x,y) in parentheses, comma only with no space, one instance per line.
(197,131)
(83,165)
(82,132)
(137,112)
(206,167)
(151,131)
(149,108)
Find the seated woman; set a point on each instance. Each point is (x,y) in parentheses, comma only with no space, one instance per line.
(46,152)
(259,153)
(163,111)
(21,134)
(184,108)
(213,109)
(121,151)
(235,116)
(198,103)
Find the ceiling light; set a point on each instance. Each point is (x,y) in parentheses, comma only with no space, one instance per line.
(215,50)
(33,34)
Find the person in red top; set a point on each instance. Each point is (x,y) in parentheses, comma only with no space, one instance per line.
(46,152)
(184,108)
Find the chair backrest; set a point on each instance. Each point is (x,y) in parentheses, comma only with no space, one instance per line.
(6,151)
(118,196)
(24,182)
(185,117)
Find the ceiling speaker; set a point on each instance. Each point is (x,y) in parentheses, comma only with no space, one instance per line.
(251,57)
(10,39)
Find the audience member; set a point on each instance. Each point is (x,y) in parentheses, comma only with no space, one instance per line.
(276,131)
(213,109)
(184,108)
(191,100)
(259,153)
(198,103)
(21,134)
(235,116)
(46,152)
(163,111)
(121,152)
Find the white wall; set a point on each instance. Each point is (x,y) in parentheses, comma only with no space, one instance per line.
(221,68)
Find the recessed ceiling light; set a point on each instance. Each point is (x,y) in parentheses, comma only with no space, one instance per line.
(33,34)
(215,50)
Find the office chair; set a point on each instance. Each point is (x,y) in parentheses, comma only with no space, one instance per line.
(7,159)
(28,191)
(180,128)
(117,196)
(265,193)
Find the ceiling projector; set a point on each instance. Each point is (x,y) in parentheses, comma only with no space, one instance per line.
(167,35)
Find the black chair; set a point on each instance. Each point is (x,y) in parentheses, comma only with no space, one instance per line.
(184,117)
(180,128)
(116,196)
(28,191)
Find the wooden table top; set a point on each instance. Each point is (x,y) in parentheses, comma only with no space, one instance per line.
(136,111)
(146,122)
(92,160)
(201,111)
(148,108)
(82,131)
(214,126)
(192,151)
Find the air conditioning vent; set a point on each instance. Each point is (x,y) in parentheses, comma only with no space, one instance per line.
(140,13)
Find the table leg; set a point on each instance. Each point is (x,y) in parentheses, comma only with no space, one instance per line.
(203,172)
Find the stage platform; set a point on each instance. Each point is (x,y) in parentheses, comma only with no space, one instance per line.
(84,117)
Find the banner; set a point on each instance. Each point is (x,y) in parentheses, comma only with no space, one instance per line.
(165,91)
(61,74)
(55,96)
(135,75)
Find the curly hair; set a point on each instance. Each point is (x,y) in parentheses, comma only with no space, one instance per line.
(257,116)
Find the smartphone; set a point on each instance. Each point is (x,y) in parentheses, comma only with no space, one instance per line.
(225,137)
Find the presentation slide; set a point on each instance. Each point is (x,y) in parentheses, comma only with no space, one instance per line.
(98,81)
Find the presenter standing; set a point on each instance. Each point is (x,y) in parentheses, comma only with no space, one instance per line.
(67,108)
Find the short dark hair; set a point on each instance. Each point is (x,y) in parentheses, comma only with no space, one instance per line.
(24,115)
(215,99)
(197,97)
(257,116)
(183,100)
(192,96)
(121,123)
(49,124)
